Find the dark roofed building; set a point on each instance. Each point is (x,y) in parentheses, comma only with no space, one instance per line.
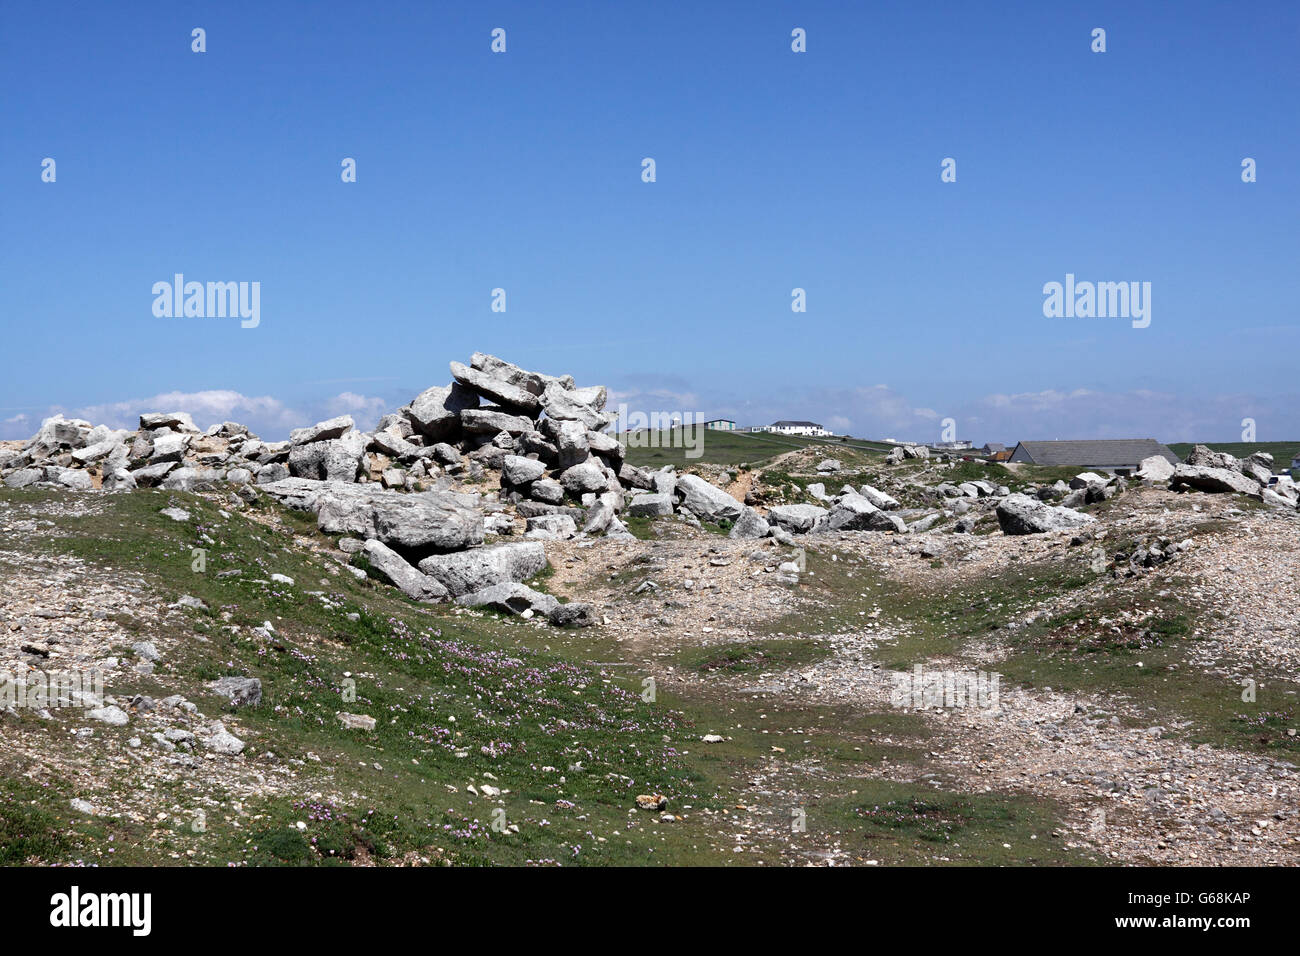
(1112,454)
(993,447)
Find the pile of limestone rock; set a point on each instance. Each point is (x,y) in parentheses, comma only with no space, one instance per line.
(503,451)
(1217,471)
(417,494)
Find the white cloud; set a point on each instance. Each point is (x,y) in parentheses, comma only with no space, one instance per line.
(1139,413)
(365,409)
(652,400)
(265,415)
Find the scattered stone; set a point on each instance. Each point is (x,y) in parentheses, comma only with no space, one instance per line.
(650,506)
(573,614)
(1205,478)
(520,471)
(356,721)
(113,716)
(221,741)
(241,691)
(750,524)
(322,431)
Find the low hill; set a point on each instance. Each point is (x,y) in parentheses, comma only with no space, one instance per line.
(656,449)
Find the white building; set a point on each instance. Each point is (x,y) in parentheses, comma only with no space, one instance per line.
(811,429)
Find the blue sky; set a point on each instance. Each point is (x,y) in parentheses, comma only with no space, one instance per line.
(775,170)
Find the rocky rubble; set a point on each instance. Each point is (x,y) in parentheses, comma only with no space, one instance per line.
(1213,471)
(1045,508)
(1166,798)
(416,505)
(392,491)
(400,494)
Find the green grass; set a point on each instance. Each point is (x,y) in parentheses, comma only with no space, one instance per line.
(978,471)
(929,622)
(457,697)
(792,486)
(734,448)
(713,447)
(1017,479)
(541,581)
(333,836)
(1070,651)
(899,827)
(738,658)
(640,526)
(30,829)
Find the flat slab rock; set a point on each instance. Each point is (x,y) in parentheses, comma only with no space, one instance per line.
(707,501)
(650,506)
(464,572)
(398,572)
(356,721)
(416,522)
(520,599)
(798,519)
(1021,514)
(512,598)
(1205,478)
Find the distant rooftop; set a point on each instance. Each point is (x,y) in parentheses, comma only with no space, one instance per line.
(1101,453)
